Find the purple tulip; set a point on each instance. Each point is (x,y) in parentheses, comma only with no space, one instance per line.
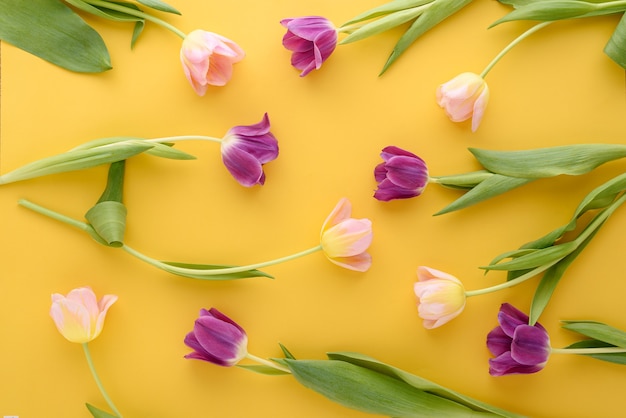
(246,148)
(402,175)
(217,339)
(311,39)
(519,348)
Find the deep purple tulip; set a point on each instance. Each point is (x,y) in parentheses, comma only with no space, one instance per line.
(311,39)
(519,348)
(217,339)
(402,175)
(246,148)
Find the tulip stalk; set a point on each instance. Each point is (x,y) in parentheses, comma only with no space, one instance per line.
(104,393)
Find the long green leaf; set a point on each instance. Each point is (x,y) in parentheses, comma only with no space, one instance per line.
(419,382)
(159,5)
(436,13)
(387,8)
(369,391)
(383,24)
(549,162)
(559,10)
(51,31)
(199,275)
(598,331)
(488,188)
(617,358)
(616,46)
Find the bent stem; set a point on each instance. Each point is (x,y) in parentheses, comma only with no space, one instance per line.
(137,13)
(267,363)
(226,270)
(511,45)
(511,283)
(98,381)
(596,350)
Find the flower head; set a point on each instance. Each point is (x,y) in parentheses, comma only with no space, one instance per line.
(441,296)
(79,317)
(217,339)
(208,59)
(519,348)
(311,39)
(246,148)
(345,240)
(402,175)
(464,97)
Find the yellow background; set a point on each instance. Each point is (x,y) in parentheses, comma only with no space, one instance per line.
(555,88)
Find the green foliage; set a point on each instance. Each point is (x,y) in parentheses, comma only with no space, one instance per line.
(98,413)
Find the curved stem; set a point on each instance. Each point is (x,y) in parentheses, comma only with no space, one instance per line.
(137,13)
(511,283)
(98,381)
(267,363)
(597,350)
(184,138)
(512,44)
(226,270)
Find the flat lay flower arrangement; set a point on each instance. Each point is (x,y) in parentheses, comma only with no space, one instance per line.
(403,209)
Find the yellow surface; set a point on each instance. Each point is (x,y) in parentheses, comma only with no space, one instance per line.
(555,88)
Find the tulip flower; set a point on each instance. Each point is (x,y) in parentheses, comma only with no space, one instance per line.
(217,339)
(402,175)
(312,39)
(345,240)
(441,296)
(464,97)
(79,317)
(519,348)
(208,59)
(246,148)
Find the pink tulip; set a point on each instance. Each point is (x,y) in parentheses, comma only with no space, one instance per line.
(311,39)
(441,296)
(464,97)
(345,240)
(208,59)
(78,316)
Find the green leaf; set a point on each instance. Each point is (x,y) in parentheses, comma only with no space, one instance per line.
(387,8)
(163,150)
(369,391)
(549,162)
(420,383)
(535,258)
(462,181)
(229,276)
(137,30)
(106,13)
(159,5)
(488,188)
(77,159)
(98,413)
(262,369)
(560,9)
(383,24)
(598,331)
(616,46)
(51,31)
(617,358)
(286,352)
(436,13)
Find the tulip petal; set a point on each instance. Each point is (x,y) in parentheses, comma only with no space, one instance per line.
(360,262)
(498,342)
(530,345)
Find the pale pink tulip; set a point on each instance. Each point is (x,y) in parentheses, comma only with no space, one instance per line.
(345,240)
(441,296)
(78,316)
(464,97)
(208,59)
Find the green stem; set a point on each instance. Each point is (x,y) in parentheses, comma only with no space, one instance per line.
(267,363)
(184,138)
(226,270)
(54,215)
(512,44)
(598,350)
(136,13)
(98,382)
(511,283)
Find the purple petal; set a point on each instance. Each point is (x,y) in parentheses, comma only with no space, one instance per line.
(260,128)
(295,43)
(407,172)
(244,167)
(498,342)
(387,191)
(220,341)
(510,318)
(531,345)
(504,364)
(391,151)
(380,172)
